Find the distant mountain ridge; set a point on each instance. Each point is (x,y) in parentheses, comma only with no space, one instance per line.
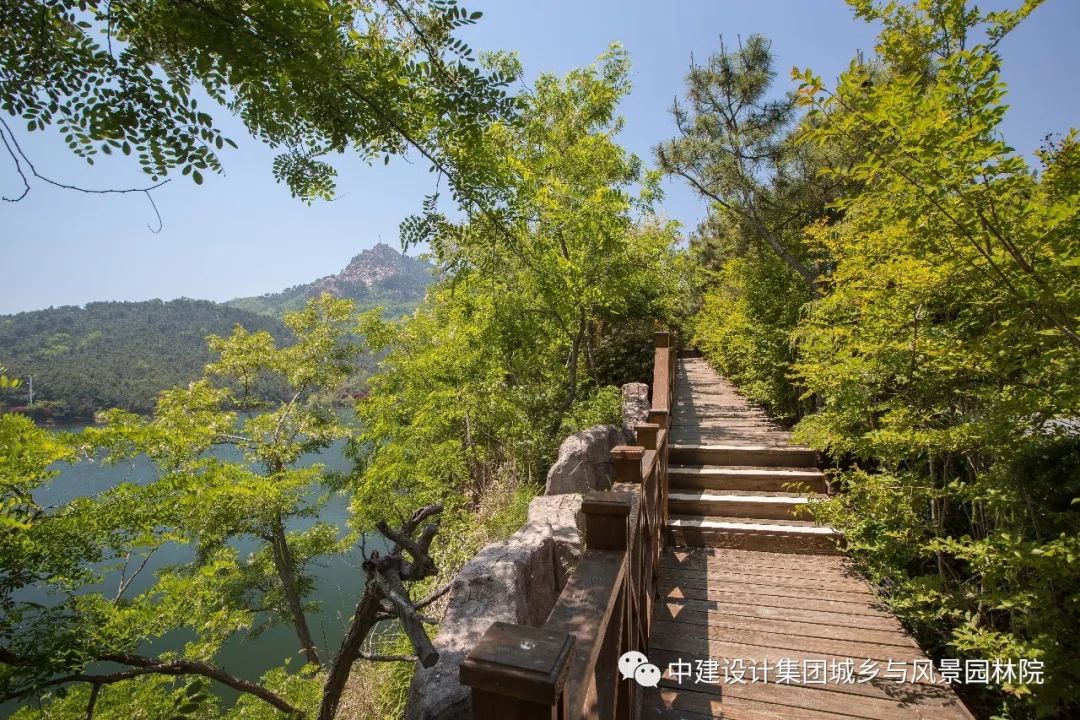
(113,354)
(122,354)
(379,276)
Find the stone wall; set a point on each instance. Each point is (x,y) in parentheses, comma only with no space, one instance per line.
(519,580)
(515,581)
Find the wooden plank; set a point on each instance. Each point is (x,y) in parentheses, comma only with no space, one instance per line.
(787,578)
(795,543)
(665,703)
(675,612)
(879,699)
(500,666)
(754,583)
(752,634)
(784,576)
(691,447)
(758,563)
(584,610)
(799,614)
(777,506)
(747,595)
(757,558)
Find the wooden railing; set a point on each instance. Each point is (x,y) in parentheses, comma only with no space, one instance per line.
(567,668)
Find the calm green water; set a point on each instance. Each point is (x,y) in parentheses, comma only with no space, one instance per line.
(339,579)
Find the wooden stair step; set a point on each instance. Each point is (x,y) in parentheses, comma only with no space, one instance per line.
(753,478)
(786,536)
(772,505)
(779,455)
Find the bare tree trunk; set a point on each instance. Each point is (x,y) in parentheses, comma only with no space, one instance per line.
(571,380)
(363,622)
(286,568)
(385,581)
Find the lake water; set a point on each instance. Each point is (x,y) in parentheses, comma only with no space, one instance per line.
(339,579)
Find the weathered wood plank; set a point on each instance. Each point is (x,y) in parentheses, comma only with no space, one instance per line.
(753,539)
(878,699)
(758,558)
(752,634)
(760,563)
(790,587)
(665,703)
(774,597)
(675,612)
(749,608)
(788,578)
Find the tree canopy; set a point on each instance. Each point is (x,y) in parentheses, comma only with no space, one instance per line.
(309,78)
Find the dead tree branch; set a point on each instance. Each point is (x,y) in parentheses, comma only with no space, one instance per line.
(19,157)
(386,578)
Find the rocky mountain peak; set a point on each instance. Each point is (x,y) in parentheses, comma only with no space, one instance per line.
(370,268)
(379,275)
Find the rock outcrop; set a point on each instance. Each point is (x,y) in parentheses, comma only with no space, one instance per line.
(517,581)
(635,409)
(584,461)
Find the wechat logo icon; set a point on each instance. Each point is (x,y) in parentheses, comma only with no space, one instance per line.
(635,665)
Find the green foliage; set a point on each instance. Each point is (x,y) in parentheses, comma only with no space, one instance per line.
(739,148)
(736,150)
(483,381)
(743,327)
(604,407)
(309,78)
(938,340)
(197,500)
(6,382)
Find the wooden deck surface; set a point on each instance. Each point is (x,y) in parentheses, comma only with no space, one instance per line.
(762,616)
(708,410)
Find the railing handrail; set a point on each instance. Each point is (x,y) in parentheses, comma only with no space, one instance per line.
(566,669)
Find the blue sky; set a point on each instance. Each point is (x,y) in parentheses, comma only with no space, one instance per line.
(241,234)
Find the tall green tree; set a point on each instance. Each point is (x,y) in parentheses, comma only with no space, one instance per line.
(740,146)
(257,498)
(509,352)
(561,238)
(735,149)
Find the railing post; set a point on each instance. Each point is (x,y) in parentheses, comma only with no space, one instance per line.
(627,461)
(672,342)
(659,416)
(607,527)
(605,520)
(646,434)
(517,671)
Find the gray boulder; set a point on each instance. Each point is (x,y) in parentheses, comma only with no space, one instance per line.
(560,516)
(584,461)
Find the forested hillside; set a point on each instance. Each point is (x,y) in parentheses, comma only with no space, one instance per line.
(122,354)
(113,354)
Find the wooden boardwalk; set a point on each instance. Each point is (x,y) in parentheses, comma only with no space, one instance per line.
(756,606)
